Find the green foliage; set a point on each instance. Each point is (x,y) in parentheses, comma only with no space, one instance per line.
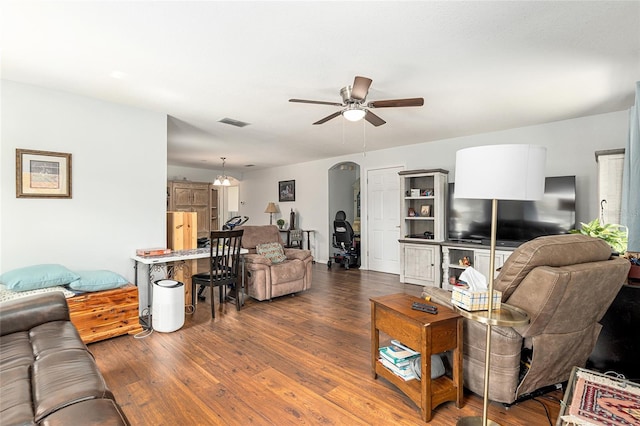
(615,235)
(280,222)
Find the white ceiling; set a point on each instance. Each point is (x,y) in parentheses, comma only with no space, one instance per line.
(480,66)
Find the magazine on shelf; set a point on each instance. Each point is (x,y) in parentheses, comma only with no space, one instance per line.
(401,363)
(397,353)
(405,373)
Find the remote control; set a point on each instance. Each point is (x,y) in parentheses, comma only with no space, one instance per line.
(426,305)
(424,308)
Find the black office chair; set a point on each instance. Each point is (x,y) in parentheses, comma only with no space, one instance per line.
(224,267)
(344,239)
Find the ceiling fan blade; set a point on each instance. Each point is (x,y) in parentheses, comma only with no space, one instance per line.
(360,88)
(390,103)
(304,101)
(328,117)
(374,119)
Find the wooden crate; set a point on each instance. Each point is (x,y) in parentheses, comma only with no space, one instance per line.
(182,234)
(105,314)
(182,230)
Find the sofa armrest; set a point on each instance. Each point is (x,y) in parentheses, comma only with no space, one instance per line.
(25,313)
(299,254)
(256,259)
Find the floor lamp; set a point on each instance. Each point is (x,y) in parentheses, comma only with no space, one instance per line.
(497,172)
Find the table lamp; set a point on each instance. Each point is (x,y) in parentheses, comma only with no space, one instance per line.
(271,209)
(497,172)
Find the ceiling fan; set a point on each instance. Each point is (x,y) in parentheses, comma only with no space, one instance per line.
(354,104)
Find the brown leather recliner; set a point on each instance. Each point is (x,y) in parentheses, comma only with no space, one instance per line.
(265,279)
(566,284)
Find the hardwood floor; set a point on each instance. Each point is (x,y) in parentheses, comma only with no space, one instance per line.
(300,359)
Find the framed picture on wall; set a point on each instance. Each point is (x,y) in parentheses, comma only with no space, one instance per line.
(43,174)
(287,190)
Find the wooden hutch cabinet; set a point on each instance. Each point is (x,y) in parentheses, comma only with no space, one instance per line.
(199,197)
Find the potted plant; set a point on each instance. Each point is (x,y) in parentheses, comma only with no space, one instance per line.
(280,223)
(615,235)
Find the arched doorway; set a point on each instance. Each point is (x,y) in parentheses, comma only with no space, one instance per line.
(344,194)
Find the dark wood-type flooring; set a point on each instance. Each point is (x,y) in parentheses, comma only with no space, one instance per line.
(300,359)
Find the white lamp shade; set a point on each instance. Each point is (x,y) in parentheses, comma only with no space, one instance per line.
(354,114)
(502,172)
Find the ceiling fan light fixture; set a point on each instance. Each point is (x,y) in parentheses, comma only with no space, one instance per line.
(354,114)
(355,106)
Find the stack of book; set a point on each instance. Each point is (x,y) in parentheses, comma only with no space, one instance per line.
(398,358)
(150,252)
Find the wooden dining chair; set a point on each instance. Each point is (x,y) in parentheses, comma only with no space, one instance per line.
(224,267)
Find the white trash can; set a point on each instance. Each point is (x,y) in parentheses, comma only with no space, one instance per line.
(167,307)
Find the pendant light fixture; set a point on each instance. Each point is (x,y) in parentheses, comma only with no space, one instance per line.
(222,180)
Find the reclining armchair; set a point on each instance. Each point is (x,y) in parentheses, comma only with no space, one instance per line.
(271,269)
(566,284)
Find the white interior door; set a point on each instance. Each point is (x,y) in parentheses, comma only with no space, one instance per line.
(383,219)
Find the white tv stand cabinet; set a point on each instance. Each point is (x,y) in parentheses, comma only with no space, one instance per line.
(478,255)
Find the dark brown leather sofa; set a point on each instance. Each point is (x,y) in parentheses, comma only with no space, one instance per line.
(47,375)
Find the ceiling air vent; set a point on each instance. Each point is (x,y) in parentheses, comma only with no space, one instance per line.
(233,122)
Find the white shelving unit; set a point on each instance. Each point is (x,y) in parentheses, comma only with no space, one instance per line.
(424,193)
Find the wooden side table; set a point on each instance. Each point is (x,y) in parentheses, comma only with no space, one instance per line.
(425,333)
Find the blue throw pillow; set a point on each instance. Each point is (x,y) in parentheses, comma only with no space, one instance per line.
(97,281)
(37,276)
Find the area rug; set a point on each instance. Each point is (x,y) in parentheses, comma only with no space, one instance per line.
(598,399)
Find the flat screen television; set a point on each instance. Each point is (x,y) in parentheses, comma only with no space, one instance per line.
(469,220)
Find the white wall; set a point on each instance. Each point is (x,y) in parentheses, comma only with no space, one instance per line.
(570,151)
(119,157)
(120,172)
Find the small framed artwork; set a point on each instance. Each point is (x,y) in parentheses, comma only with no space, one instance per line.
(425,211)
(43,174)
(287,190)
